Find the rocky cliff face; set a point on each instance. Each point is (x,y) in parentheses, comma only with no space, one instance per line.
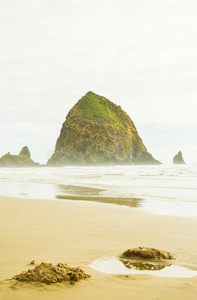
(21,160)
(178,159)
(97,131)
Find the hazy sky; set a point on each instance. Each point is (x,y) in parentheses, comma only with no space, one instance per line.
(140,54)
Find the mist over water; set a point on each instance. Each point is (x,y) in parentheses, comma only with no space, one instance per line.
(164,189)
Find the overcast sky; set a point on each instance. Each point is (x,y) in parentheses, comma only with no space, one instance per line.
(140,54)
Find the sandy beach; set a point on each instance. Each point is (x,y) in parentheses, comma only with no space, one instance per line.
(79,232)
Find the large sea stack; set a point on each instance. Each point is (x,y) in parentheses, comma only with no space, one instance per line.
(97,131)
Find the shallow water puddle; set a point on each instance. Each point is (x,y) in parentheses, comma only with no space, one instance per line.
(113,265)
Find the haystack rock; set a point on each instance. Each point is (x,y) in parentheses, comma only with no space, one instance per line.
(21,160)
(178,159)
(97,131)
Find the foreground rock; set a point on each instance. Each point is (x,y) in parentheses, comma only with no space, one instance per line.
(48,273)
(149,253)
(21,160)
(97,131)
(178,159)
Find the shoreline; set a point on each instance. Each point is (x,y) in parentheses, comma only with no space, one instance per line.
(79,232)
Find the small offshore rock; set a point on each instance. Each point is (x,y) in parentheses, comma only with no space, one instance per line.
(25,152)
(178,159)
(23,159)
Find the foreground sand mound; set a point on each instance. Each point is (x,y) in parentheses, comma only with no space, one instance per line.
(150,253)
(48,273)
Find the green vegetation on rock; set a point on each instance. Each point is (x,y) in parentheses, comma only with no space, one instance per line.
(97,131)
(99,109)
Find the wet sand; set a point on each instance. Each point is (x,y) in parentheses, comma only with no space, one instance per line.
(77,233)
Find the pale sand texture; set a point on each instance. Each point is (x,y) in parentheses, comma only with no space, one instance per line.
(77,233)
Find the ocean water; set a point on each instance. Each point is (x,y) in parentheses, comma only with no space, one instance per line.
(164,189)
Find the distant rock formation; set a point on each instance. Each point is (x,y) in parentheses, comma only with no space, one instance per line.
(21,160)
(25,152)
(97,131)
(178,159)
